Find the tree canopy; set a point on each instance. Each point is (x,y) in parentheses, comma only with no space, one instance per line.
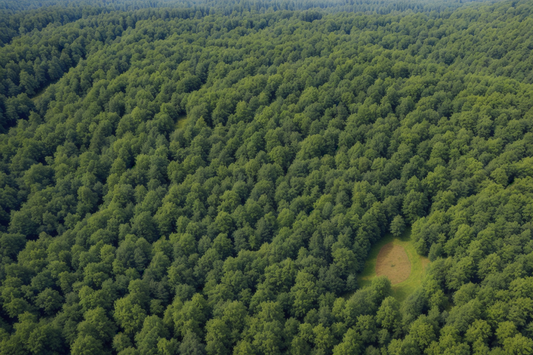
(208,178)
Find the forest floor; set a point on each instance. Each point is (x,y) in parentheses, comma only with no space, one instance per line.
(397,259)
(41,92)
(393,263)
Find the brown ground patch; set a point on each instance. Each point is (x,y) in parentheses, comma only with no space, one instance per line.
(393,262)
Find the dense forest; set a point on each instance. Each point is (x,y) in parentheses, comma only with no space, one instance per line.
(209,177)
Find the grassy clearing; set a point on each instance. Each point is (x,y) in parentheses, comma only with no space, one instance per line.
(182,121)
(418,265)
(393,263)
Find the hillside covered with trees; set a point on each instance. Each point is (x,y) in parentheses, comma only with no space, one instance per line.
(208,178)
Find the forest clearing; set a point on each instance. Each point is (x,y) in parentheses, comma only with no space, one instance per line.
(397,259)
(393,263)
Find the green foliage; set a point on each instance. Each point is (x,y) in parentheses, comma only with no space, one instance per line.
(397,226)
(210,178)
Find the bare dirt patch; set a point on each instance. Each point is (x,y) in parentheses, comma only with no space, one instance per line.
(393,263)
